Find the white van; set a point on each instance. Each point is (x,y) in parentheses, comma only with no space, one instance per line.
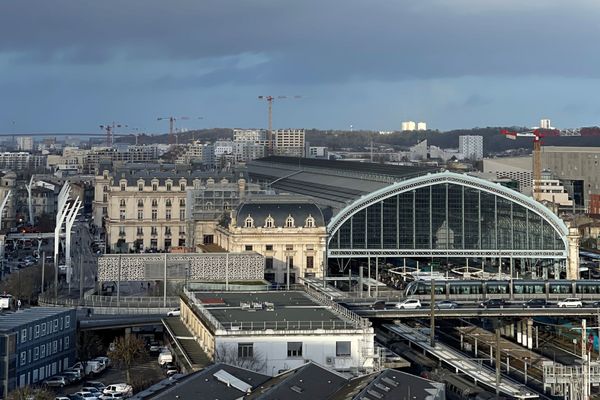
(91,367)
(165,357)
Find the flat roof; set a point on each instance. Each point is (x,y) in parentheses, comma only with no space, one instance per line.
(12,320)
(292,310)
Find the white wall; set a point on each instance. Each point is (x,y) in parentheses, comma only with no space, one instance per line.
(317,348)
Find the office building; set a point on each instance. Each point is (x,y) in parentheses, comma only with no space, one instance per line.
(37,343)
(545,124)
(24,143)
(519,169)
(471,147)
(289,142)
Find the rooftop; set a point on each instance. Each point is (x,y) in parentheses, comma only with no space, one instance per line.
(12,320)
(286,310)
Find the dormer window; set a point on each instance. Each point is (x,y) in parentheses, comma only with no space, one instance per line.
(154,187)
(169,186)
(289,222)
(141,186)
(249,222)
(123,186)
(310,222)
(269,222)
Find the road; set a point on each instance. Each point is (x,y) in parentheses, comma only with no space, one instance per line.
(83,260)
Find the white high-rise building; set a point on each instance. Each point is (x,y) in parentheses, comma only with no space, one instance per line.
(471,146)
(409,125)
(545,124)
(24,143)
(421,126)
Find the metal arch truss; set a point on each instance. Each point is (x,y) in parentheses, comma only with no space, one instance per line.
(66,214)
(3,206)
(449,177)
(365,253)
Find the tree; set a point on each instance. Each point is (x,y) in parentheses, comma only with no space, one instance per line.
(229,355)
(127,350)
(27,393)
(89,345)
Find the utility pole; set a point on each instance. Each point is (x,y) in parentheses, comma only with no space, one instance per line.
(43,270)
(432,313)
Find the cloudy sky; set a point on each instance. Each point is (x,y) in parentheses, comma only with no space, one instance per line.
(70,65)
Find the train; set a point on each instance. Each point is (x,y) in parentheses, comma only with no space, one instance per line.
(510,290)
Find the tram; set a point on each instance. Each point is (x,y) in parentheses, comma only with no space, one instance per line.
(515,290)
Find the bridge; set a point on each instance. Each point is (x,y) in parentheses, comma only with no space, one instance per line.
(475,312)
(105,321)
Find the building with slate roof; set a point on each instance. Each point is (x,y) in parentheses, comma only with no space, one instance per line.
(36,343)
(289,230)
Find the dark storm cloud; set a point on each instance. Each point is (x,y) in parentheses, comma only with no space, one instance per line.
(310,41)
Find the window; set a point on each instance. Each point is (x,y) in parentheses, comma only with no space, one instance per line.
(169,187)
(104,211)
(140,187)
(248,247)
(181,202)
(23,335)
(168,215)
(153,230)
(37,331)
(105,189)
(249,223)
(67,322)
(182,230)
(122,203)
(104,197)
(167,230)
(168,203)
(55,323)
(123,185)
(121,231)
(23,358)
(289,222)
(182,186)
(122,215)
(182,215)
(36,354)
(294,349)
(44,329)
(154,187)
(43,351)
(140,215)
(269,247)
(310,222)
(310,262)
(154,215)
(154,203)
(342,349)
(269,222)
(140,203)
(289,247)
(310,247)
(245,350)
(54,347)
(140,230)
(268,262)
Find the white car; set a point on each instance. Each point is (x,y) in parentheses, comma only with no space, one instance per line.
(119,388)
(176,312)
(87,395)
(112,396)
(409,304)
(571,302)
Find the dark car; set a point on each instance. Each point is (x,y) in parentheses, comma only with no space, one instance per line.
(536,303)
(378,305)
(446,305)
(493,303)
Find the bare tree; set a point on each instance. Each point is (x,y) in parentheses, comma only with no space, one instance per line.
(127,350)
(89,345)
(229,355)
(28,393)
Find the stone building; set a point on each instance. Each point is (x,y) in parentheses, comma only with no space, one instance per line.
(288,230)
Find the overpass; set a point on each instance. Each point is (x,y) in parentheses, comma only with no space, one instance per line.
(474,312)
(97,322)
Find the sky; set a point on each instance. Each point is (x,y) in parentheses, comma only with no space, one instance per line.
(72,65)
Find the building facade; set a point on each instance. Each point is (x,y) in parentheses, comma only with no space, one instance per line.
(515,168)
(35,344)
(289,142)
(21,160)
(471,146)
(289,231)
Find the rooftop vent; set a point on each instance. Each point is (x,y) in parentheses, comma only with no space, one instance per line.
(230,380)
(297,389)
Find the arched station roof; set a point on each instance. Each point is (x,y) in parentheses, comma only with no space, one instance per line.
(447,214)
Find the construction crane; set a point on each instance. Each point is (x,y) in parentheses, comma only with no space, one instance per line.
(173,139)
(269,100)
(110,128)
(537,134)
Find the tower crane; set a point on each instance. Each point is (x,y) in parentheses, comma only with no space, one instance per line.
(537,134)
(110,128)
(269,100)
(172,137)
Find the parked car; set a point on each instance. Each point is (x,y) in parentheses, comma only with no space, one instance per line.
(56,381)
(121,388)
(176,312)
(105,361)
(172,371)
(90,367)
(571,302)
(154,347)
(61,398)
(72,376)
(493,303)
(409,304)
(165,357)
(76,371)
(112,396)
(446,305)
(536,303)
(92,389)
(75,396)
(87,395)
(97,384)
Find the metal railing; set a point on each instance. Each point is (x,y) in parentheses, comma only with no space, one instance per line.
(245,326)
(336,308)
(197,305)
